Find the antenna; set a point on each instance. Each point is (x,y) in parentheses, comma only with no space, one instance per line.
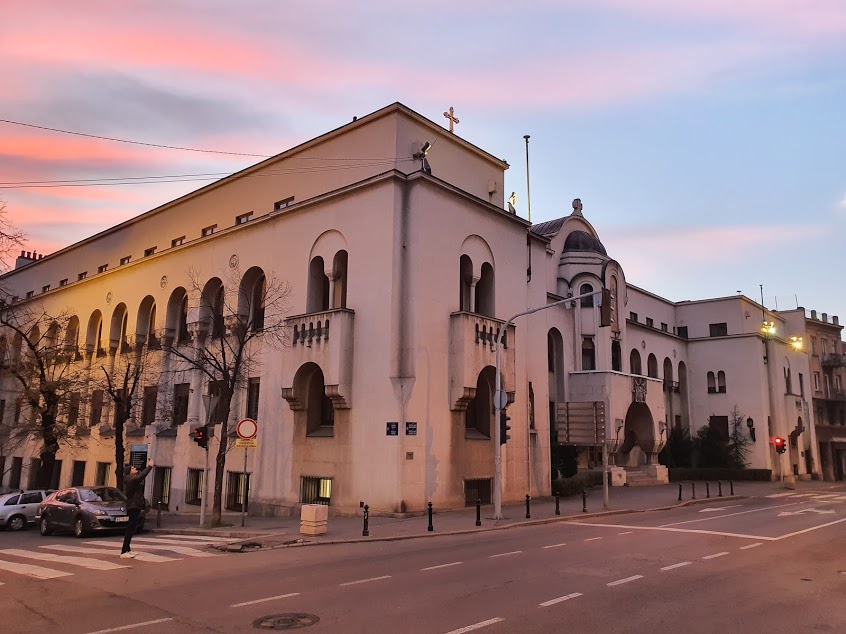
(528,191)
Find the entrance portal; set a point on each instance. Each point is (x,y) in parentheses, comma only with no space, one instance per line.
(638,437)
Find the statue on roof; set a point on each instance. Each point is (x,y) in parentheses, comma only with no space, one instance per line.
(577,206)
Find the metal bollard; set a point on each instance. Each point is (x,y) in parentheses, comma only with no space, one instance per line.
(731,487)
(431,528)
(693,490)
(707,489)
(528,508)
(720,488)
(680,491)
(366,531)
(584,501)
(557,504)
(479,512)
(159,515)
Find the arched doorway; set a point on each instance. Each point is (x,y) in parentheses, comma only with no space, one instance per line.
(638,437)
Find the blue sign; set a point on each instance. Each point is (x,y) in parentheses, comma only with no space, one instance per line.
(392,429)
(410,428)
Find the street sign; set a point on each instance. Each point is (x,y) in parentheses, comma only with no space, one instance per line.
(247,428)
(501,399)
(581,424)
(250,443)
(392,429)
(410,428)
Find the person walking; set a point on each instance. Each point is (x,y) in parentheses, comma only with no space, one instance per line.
(133,487)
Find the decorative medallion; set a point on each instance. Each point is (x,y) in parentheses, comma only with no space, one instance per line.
(674,353)
(643,344)
(233,261)
(109,297)
(163,281)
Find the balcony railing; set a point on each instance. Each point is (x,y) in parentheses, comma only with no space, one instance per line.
(833,360)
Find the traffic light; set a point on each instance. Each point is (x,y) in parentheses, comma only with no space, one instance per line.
(201,436)
(504,427)
(606,308)
(780,444)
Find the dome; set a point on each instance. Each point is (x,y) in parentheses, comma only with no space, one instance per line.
(583,241)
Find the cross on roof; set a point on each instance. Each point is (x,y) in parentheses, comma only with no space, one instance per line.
(452,119)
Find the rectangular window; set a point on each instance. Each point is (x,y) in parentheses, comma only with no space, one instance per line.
(253,388)
(718,330)
(237,491)
(282,204)
(816,381)
(824,346)
(17,417)
(663,326)
(148,406)
(650,322)
(813,345)
(477,489)
(207,231)
(29,294)
(239,220)
(63,282)
(194,487)
(102,268)
(101,475)
(721,425)
(96,408)
(2,419)
(314,490)
(633,317)
(45,288)
(125,260)
(216,389)
(801,385)
(82,275)
(161,487)
(149,252)
(682,332)
(177,241)
(73,408)
(78,474)
(15,473)
(181,392)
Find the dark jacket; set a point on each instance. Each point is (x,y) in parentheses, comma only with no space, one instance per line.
(133,486)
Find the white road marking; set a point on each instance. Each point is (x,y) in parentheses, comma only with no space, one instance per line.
(100,551)
(554,545)
(566,597)
(715,555)
(826,495)
(626,533)
(748,546)
(454,563)
(620,582)
(813,528)
(808,510)
(32,571)
(201,538)
(803,495)
(353,583)
(476,626)
(82,562)
(717,517)
(590,539)
(160,540)
(677,530)
(132,627)
(182,550)
(719,508)
(781,495)
(674,566)
(279,596)
(513,552)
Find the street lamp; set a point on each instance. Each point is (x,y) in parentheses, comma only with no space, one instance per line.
(751,425)
(797,343)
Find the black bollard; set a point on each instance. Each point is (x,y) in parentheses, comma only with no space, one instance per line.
(431,528)
(731,487)
(479,512)
(707,489)
(680,491)
(528,509)
(693,490)
(366,531)
(584,501)
(557,504)
(720,488)
(159,515)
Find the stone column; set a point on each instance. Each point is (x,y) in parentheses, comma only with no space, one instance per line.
(198,332)
(473,281)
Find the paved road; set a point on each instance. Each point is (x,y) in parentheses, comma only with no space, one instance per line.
(775,564)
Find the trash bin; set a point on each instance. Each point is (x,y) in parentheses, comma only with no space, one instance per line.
(314,519)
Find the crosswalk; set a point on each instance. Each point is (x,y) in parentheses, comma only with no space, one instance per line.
(815,497)
(59,560)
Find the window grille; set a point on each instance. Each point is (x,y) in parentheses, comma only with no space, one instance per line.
(194,488)
(478,489)
(315,490)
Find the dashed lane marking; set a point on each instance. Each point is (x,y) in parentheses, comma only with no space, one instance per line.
(590,539)
(677,530)
(354,583)
(620,582)
(554,546)
(454,563)
(748,546)
(277,597)
(149,557)
(82,562)
(476,626)
(32,571)
(513,552)
(715,555)
(566,597)
(626,533)
(131,627)
(678,565)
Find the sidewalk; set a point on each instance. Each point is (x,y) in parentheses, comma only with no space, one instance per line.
(270,532)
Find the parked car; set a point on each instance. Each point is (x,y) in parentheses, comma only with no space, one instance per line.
(19,509)
(84,510)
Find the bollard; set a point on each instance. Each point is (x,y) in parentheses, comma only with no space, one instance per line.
(680,491)
(479,512)
(431,528)
(584,501)
(557,503)
(159,515)
(720,488)
(731,487)
(707,489)
(528,509)
(366,531)
(693,490)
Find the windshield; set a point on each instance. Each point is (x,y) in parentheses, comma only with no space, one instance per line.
(101,495)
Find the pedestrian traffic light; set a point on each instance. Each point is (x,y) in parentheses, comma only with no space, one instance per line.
(201,436)
(606,308)
(504,427)
(780,444)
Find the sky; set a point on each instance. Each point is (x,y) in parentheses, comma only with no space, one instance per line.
(705,138)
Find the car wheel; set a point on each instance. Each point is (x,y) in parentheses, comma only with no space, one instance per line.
(44,527)
(16,523)
(79,527)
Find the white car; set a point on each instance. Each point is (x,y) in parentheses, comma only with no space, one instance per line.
(18,509)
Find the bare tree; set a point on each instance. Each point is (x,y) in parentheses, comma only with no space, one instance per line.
(232,333)
(41,363)
(11,238)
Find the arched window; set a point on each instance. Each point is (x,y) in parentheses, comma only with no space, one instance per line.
(318,287)
(586,302)
(485,291)
(788,380)
(320,415)
(634,362)
(72,335)
(616,356)
(712,383)
(479,415)
(721,382)
(340,270)
(588,354)
(617,314)
(145,325)
(668,374)
(252,298)
(652,366)
(94,334)
(465,270)
(117,331)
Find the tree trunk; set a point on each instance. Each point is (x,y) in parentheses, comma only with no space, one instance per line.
(48,451)
(220,461)
(120,450)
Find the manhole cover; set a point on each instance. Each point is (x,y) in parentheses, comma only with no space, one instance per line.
(287,621)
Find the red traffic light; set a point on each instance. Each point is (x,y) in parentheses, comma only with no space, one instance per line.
(201,436)
(780,444)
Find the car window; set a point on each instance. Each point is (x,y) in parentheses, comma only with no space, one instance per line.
(105,494)
(30,498)
(72,497)
(12,501)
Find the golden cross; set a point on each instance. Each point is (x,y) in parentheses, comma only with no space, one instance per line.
(452,119)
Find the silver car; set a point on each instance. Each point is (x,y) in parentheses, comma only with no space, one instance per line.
(18,509)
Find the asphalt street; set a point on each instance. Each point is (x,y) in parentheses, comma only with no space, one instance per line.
(766,564)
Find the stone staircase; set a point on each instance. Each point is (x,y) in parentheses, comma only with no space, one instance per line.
(636,477)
